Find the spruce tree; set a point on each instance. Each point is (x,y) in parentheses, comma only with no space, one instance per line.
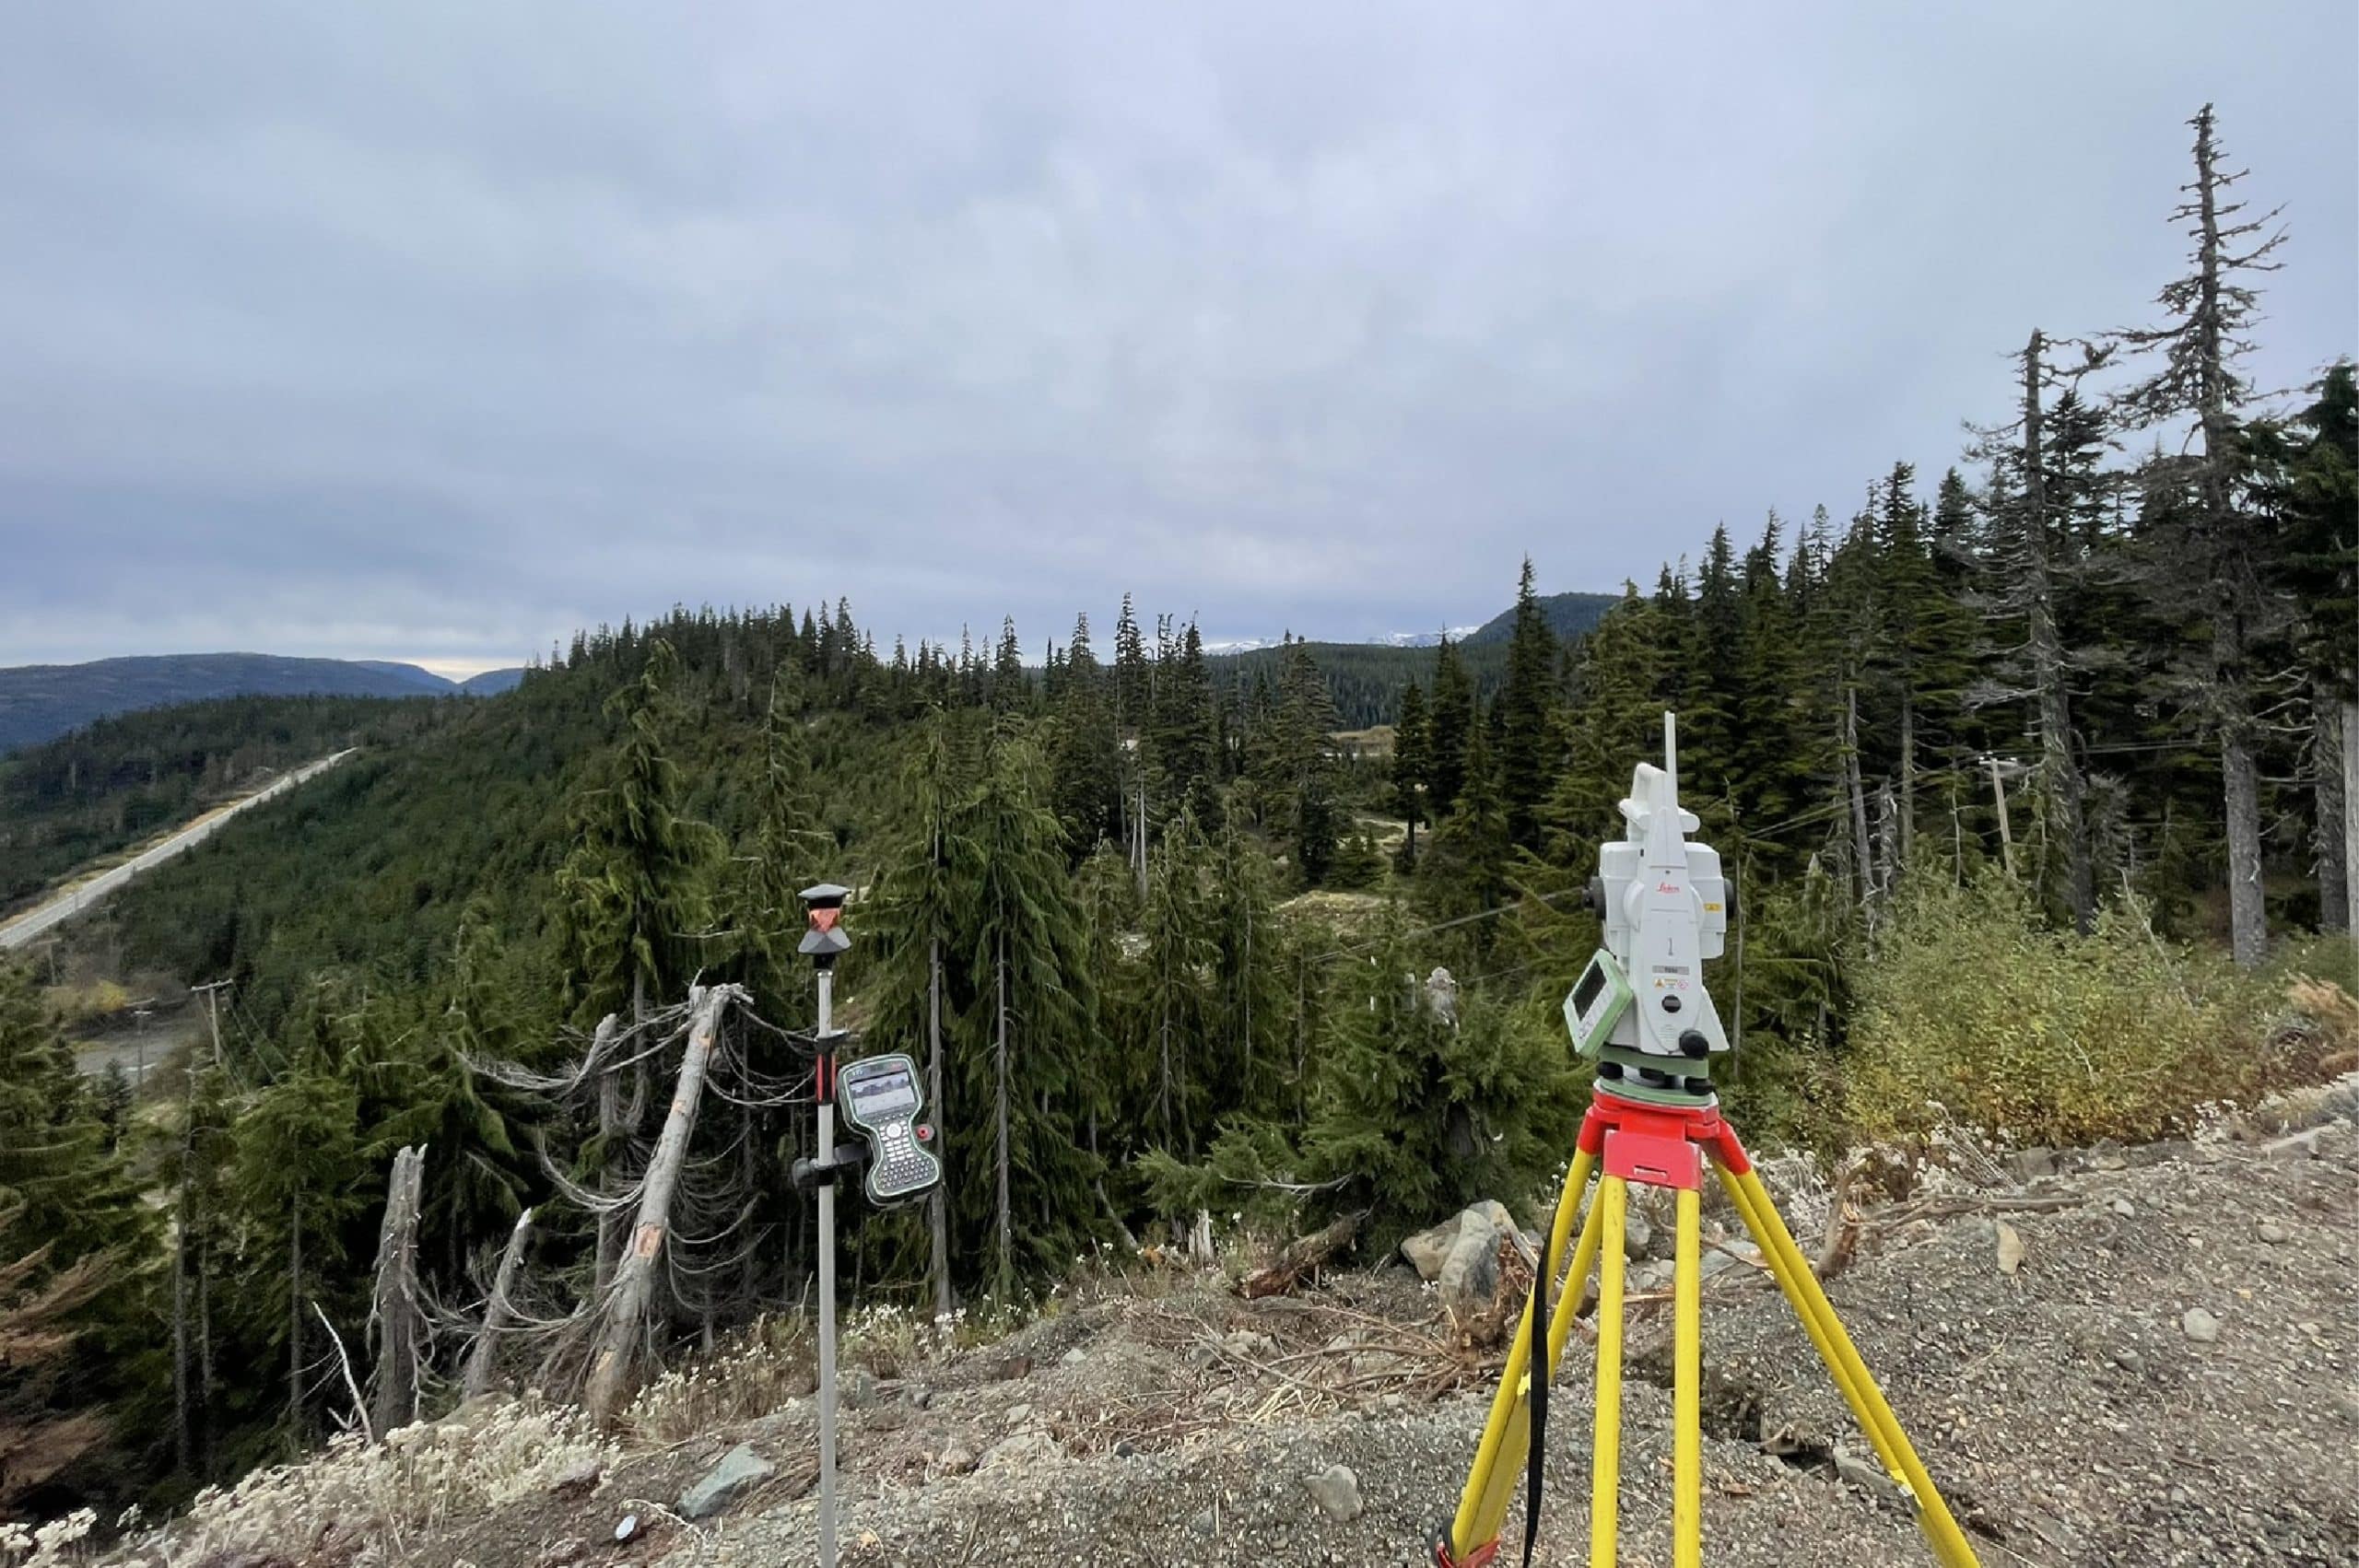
(1307,722)
(1452,727)
(1174,921)
(1084,750)
(1033,1010)
(633,893)
(2314,498)
(1524,715)
(1411,758)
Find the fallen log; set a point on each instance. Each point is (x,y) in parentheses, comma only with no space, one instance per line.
(1300,1257)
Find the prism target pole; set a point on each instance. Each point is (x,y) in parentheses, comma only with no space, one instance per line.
(824,943)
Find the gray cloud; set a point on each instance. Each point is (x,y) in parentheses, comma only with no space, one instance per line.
(421,332)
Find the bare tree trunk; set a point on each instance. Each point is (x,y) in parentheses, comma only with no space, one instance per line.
(1007,1227)
(625,1315)
(2328,744)
(1907,777)
(2351,816)
(204,1348)
(1886,847)
(485,1355)
(937,1203)
(2248,914)
(2006,823)
(183,1412)
(2061,774)
(295,1315)
(395,1312)
(610,1122)
(1852,786)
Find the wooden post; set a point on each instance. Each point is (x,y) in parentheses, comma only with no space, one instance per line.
(485,1355)
(624,1310)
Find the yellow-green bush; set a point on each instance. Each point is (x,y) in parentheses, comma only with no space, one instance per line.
(1971,1009)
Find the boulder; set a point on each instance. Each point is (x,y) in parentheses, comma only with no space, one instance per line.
(1469,1276)
(740,1470)
(1427,1251)
(1336,1490)
(1638,1235)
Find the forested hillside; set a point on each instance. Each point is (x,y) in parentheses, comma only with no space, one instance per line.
(2031,773)
(39,702)
(108,786)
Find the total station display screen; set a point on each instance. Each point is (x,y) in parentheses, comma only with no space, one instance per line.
(1592,982)
(878,1098)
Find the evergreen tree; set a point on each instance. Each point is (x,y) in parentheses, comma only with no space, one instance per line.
(1307,723)
(633,893)
(1412,759)
(1452,727)
(1084,754)
(1033,1011)
(1524,715)
(1174,921)
(924,915)
(2315,497)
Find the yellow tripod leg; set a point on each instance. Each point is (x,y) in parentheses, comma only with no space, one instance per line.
(1686,1386)
(1606,1446)
(1506,1436)
(1850,1373)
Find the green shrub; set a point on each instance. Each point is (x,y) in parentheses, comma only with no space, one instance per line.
(1971,1009)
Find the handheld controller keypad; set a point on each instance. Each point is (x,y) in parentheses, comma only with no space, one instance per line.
(880,1095)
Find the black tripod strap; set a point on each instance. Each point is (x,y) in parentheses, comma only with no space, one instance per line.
(1536,1366)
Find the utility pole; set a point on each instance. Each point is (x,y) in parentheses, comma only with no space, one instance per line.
(212,991)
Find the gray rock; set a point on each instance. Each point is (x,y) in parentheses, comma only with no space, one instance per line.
(1720,1260)
(1204,1522)
(1638,1235)
(1018,1414)
(1862,1471)
(580,1479)
(2200,1325)
(2274,1233)
(1018,1448)
(740,1470)
(1337,1491)
(2030,1165)
(1075,1356)
(956,1459)
(1469,1276)
(2123,1207)
(1427,1250)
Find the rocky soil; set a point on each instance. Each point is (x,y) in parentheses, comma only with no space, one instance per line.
(2120,1356)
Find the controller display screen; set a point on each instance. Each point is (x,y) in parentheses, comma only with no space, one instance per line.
(1591,985)
(876,1099)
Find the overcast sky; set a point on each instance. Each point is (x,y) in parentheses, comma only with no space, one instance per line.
(432,331)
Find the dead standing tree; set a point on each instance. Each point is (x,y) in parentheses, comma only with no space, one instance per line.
(397,1314)
(625,1307)
(684,1182)
(2213,545)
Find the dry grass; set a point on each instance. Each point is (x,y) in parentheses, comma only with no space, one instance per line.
(364,1503)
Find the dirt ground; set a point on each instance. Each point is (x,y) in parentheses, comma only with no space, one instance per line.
(2076,1407)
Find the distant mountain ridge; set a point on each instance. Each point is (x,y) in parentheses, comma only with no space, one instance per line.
(39,702)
